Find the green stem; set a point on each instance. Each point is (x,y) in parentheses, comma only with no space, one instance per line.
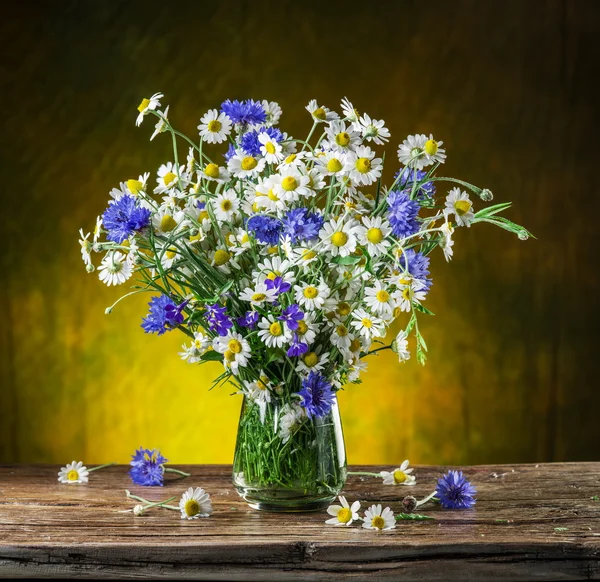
(182,473)
(101,467)
(150,503)
(364,473)
(426,499)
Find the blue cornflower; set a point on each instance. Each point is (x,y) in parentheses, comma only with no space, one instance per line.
(230,152)
(249,319)
(300,224)
(316,394)
(402,214)
(265,228)
(297,347)
(123,217)
(250,143)
(291,315)
(147,467)
(163,315)
(407,178)
(417,265)
(244,112)
(278,285)
(455,491)
(217,319)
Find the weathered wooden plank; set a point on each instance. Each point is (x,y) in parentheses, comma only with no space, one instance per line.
(52,530)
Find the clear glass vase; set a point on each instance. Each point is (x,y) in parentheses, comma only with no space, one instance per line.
(285,461)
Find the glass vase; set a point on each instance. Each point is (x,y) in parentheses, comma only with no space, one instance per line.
(285,461)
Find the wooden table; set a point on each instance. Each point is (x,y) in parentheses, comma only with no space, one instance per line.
(530,522)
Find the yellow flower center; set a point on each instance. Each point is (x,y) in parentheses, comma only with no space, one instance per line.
(235,346)
(212,170)
(135,186)
(399,476)
(320,113)
(258,297)
(226,205)
(354,345)
(272,196)
(342,139)
(341,330)
(378,522)
(229,356)
(249,163)
(310,359)
(431,147)
(374,235)
(302,327)
(262,382)
(462,207)
(171,253)
(203,216)
(275,329)
(334,165)
(343,308)
(168,178)
(307,255)
(221,257)
(270,147)
(310,292)
(407,293)
(290,158)
(244,238)
(382,296)
(273,275)
(143,105)
(367,322)
(191,507)
(214,126)
(230,239)
(344,515)
(167,223)
(72,475)
(289,183)
(273,250)
(339,239)
(363,165)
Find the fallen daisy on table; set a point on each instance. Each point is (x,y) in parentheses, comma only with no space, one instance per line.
(344,514)
(400,476)
(376,518)
(76,472)
(195,503)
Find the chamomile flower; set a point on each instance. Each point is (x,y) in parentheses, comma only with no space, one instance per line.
(259,392)
(343,514)
(332,164)
(270,148)
(138,186)
(86,247)
(273,112)
(379,299)
(73,473)
(294,160)
(374,130)
(400,476)
(273,333)
(339,236)
(226,205)
(290,184)
(459,204)
(340,336)
(162,123)
(314,360)
(170,176)
(195,503)
(214,126)
(259,295)
(362,166)
(400,346)
(373,234)
(243,166)
(289,420)
(215,173)
(167,219)
(148,105)
(307,329)
(274,267)
(193,353)
(341,137)
(350,113)
(115,269)
(433,152)
(446,231)
(406,295)
(419,151)
(378,518)
(235,349)
(319,113)
(267,198)
(311,296)
(367,325)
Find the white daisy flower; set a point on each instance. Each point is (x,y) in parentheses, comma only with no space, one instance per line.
(342,138)
(379,299)
(290,184)
(135,187)
(75,472)
(400,476)
(332,164)
(266,197)
(340,336)
(193,353)
(226,205)
(215,173)
(311,296)
(433,152)
(459,204)
(344,514)
(271,149)
(447,243)
(339,236)
(319,113)
(222,259)
(167,218)
(362,165)
(367,325)
(162,123)
(97,230)
(115,269)
(274,267)
(376,518)
(214,126)
(86,247)
(167,178)
(273,332)
(419,151)
(350,113)
(148,105)
(235,350)
(373,234)
(289,420)
(294,160)
(374,130)
(400,346)
(273,111)
(195,503)
(303,257)
(260,393)
(259,295)
(315,360)
(406,295)
(307,329)
(242,166)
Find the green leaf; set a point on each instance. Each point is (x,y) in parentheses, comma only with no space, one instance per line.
(349,260)
(212,356)
(414,517)
(226,287)
(423,309)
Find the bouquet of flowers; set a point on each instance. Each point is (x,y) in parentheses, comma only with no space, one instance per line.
(288,261)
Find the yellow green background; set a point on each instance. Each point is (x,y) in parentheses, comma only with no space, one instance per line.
(512,373)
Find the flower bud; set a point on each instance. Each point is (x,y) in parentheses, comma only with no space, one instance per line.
(486,195)
(409,503)
(138,510)
(523,235)
(90,268)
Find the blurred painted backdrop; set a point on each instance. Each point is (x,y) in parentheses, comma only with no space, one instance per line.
(507,85)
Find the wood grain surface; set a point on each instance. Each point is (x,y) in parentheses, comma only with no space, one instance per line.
(530,522)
